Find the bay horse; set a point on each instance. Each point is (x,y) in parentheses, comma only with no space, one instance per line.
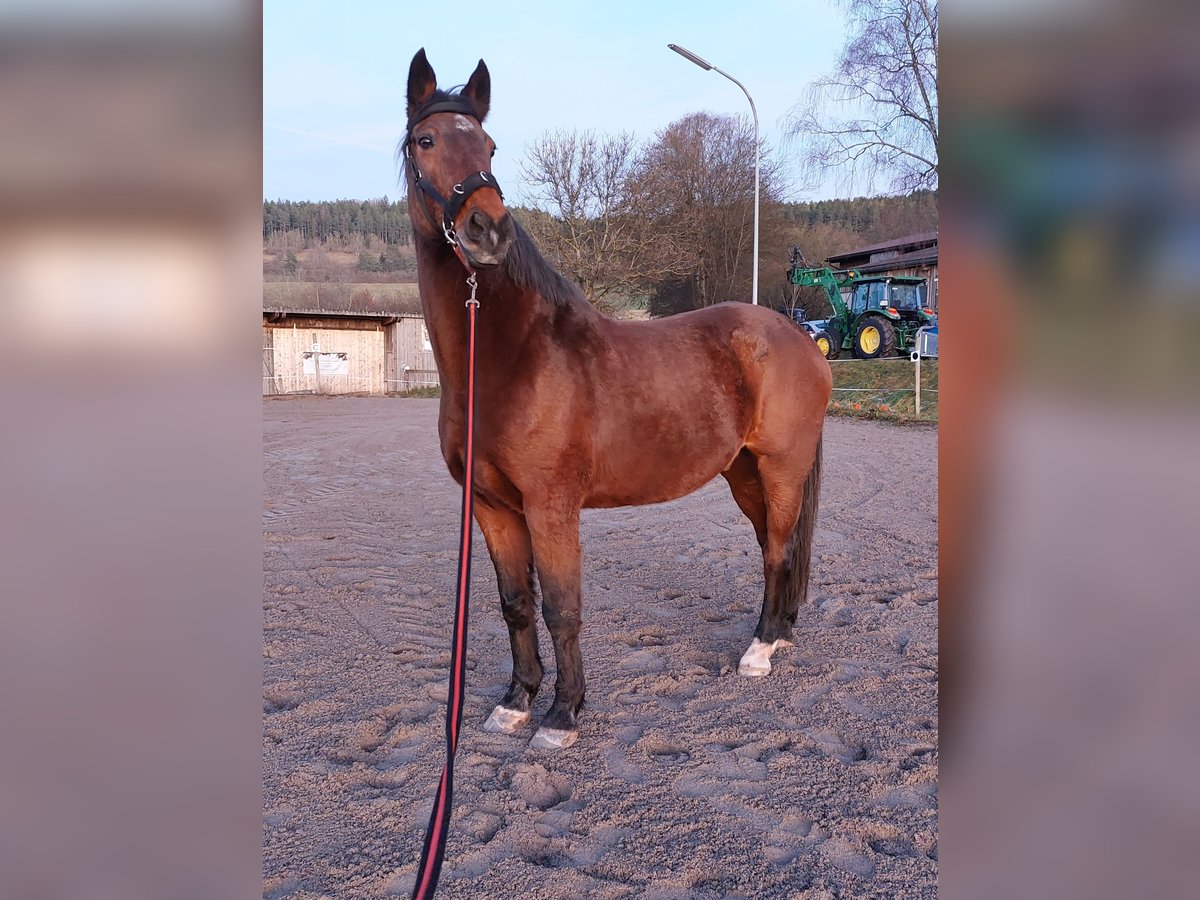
(576,410)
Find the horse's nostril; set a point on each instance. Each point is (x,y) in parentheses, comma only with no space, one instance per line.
(506,228)
(477,225)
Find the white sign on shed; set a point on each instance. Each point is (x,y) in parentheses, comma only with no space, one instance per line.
(331,363)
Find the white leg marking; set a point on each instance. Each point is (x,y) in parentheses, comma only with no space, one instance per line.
(553,739)
(756,661)
(505,721)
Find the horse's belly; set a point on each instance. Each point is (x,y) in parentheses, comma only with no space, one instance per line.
(656,474)
(605,497)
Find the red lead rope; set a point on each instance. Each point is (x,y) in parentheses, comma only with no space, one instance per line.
(439,819)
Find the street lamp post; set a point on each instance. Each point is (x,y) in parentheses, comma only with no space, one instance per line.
(706,65)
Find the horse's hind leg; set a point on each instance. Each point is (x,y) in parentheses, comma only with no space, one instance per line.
(746,484)
(508,542)
(783,490)
(555,533)
(747,490)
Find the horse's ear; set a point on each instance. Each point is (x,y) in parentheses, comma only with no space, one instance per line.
(422,82)
(479,90)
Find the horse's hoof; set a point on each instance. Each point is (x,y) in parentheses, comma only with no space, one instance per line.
(506,721)
(756,661)
(553,739)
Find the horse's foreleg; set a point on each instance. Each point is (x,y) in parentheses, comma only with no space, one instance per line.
(557,554)
(508,542)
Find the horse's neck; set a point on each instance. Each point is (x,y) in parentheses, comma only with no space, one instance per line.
(506,312)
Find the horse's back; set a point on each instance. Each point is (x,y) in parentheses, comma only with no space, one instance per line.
(729,321)
(745,344)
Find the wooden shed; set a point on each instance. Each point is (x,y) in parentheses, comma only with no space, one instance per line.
(345,352)
(409,355)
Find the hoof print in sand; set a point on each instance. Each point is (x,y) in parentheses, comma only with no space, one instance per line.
(667,754)
(843,855)
(540,788)
(620,766)
(830,743)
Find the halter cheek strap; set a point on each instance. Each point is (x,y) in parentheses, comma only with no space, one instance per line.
(459,195)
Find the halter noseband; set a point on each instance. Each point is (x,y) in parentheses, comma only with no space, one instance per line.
(462,191)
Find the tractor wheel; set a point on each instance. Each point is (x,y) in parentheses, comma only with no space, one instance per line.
(835,342)
(874,338)
(824,343)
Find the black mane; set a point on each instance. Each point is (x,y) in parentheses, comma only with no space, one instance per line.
(528,269)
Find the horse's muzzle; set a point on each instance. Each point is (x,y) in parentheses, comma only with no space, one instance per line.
(485,241)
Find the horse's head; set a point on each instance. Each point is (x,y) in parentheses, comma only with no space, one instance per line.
(450,164)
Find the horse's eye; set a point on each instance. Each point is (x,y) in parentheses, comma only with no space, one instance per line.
(424,142)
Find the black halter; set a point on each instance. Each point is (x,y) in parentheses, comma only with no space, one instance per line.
(461,191)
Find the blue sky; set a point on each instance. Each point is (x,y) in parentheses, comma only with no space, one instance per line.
(334,77)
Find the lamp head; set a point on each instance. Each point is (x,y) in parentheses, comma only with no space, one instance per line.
(689,55)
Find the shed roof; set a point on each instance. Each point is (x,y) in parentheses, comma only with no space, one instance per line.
(920,239)
(923,257)
(281,311)
(340,300)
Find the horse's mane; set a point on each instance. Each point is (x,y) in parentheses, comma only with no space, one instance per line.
(528,269)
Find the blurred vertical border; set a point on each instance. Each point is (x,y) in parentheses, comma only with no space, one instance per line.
(1069,438)
(130,204)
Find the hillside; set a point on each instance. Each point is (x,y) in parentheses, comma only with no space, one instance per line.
(370,242)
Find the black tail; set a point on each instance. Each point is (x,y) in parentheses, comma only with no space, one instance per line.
(800,549)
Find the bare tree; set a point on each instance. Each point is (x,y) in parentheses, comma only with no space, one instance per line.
(590,223)
(695,182)
(886,78)
(674,218)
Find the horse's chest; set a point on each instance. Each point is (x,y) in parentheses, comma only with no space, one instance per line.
(490,481)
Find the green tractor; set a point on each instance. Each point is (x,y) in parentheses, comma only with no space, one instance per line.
(873,315)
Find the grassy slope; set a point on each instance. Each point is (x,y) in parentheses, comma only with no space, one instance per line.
(884,389)
(337,295)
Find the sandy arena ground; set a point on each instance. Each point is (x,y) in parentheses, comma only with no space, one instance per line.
(688,781)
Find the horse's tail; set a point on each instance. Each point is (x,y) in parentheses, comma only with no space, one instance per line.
(800,549)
